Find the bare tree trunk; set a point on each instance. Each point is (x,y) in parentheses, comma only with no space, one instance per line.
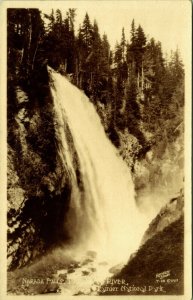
(77,71)
(65,66)
(33,60)
(142,78)
(29,43)
(138,80)
(80,80)
(25,63)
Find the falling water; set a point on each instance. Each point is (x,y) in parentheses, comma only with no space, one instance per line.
(103,215)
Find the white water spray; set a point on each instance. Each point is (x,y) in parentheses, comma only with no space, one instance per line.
(103,215)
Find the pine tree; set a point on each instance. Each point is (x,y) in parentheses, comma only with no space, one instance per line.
(118,54)
(93,63)
(176,67)
(131,49)
(71,14)
(96,47)
(106,55)
(123,46)
(133,34)
(87,33)
(51,19)
(58,17)
(69,41)
(140,38)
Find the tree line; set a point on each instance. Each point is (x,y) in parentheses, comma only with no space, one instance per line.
(134,87)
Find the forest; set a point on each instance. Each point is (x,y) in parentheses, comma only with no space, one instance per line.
(135,89)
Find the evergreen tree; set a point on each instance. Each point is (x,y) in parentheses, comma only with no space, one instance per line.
(133,34)
(140,39)
(96,48)
(87,33)
(118,54)
(123,45)
(71,14)
(106,55)
(51,19)
(58,17)
(25,33)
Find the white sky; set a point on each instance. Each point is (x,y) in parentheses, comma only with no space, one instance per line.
(166,21)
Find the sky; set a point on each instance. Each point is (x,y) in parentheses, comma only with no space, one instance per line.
(166,21)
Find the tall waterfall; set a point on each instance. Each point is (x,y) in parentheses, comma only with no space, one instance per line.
(102,215)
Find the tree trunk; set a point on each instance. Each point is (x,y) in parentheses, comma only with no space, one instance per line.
(142,78)
(33,60)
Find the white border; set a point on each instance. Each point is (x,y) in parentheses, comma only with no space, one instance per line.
(3,135)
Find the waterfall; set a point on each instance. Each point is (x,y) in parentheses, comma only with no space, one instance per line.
(103,215)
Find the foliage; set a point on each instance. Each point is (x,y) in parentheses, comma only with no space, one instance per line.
(145,93)
(129,148)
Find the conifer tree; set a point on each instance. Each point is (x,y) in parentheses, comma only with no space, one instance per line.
(58,17)
(86,33)
(133,34)
(106,58)
(123,45)
(140,38)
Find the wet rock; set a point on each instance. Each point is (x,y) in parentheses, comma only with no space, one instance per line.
(9,260)
(76,265)
(23,115)
(26,258)
(71,270)
(93,288)
(93,269)
(71,265)
(15,194)
(85,272)
(21,95)
(79,293)
(63,277)
(52,288)
(87,261)
(116,269)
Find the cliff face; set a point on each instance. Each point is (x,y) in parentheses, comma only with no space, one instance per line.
(159,176)
(170,213)
(38,189)
(157,267)
(159,260)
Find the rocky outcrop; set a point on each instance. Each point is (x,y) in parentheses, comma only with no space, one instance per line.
(38,189)
(161,253)
(170,213)
(24,242)
(158,263)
